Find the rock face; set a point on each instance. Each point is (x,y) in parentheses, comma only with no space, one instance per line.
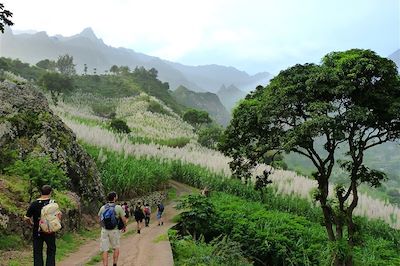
(206,101)
(28,125)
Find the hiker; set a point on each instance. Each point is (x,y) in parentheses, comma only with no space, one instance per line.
(33,217)
(110,216)
(160,210)
(139,216)
(126,209)
(147,213)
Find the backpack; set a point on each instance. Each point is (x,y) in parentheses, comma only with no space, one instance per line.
(49,222)
(147,210)
(109,218)
(160,207)
(138,212)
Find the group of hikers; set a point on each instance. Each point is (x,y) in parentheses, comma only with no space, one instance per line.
(45,217)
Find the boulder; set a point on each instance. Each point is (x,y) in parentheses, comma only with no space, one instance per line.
(28,125)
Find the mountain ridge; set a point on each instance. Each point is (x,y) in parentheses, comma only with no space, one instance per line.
(87,48)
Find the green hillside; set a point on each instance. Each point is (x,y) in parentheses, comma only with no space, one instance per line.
(205,101)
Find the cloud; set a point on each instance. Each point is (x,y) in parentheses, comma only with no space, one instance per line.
(254,35)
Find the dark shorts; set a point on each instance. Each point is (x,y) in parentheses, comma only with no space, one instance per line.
(139,220)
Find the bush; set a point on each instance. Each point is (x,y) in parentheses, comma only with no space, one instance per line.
(10,241)
(155,107)
(196,117)
(39,171)
(221,251)
(278,238)
(104,110)
(210,136)
(119,126)
(197,219)
(270,237)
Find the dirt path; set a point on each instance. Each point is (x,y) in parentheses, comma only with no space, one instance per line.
(150,247)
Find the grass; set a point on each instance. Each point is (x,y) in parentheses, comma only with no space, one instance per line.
(171,194)
(176,218)
(174,142)
(94,260)
(11,242)
(127,175)
(71,242)
(129,233)
(160,238)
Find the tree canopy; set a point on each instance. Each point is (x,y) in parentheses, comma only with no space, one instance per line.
(47,64)
(196,117)
(65,64)
(351,101)
(5,16)
(56,83)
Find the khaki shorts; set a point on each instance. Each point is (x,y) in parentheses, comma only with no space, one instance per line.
(109,238)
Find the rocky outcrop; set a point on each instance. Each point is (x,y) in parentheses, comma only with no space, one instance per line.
(28,125)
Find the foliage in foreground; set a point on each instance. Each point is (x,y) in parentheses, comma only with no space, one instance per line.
(126,175)
(39,171)
(277,238)
(221,251)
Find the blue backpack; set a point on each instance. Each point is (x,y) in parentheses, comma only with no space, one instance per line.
(109,218)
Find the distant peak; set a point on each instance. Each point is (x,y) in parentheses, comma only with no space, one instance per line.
(230,89)
(88,33)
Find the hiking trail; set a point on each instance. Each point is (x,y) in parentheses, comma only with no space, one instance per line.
(150,247)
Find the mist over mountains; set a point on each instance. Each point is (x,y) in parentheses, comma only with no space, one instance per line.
(87,48)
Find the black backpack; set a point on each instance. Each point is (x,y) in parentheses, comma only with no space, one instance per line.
(160,207)
(138,212)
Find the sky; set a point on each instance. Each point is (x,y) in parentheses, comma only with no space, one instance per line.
(251,35)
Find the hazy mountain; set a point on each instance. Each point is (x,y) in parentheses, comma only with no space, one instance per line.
(229,96)
(396,58)
(211,77)
(206,101)
(86,48)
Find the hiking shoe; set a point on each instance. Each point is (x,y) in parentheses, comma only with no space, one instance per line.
(162,223)
(138,231)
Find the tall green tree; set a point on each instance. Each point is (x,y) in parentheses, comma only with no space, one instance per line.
(56,84)
(114,69)
(196,117)
(351,101)
(65,65)
(47,64)
(5,18)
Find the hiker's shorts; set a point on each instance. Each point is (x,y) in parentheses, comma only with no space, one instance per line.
(159,215)
(109,239)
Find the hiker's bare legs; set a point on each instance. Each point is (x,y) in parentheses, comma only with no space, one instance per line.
(105,258)
(115,255)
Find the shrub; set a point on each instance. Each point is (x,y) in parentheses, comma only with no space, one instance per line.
(155,107)
(119,126)
(278,238)
(106,110)
(39,171)
(196,117)
(197,219)
(221,251)
(210,136)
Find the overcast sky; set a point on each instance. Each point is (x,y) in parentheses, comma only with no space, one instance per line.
(251,35)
